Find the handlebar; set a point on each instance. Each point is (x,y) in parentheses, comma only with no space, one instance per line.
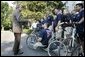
(65,24)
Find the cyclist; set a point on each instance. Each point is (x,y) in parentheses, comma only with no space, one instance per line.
(66,20)
(44,35)
(48,18)
(39,25)
(80,23)
(58,13)
(78,19)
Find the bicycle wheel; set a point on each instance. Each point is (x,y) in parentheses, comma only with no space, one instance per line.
(51,40)
(77,51)
(55,38)
(70,45)
(30,41)
(54,48)
(62,50)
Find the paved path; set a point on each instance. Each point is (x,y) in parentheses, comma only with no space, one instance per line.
(7,41)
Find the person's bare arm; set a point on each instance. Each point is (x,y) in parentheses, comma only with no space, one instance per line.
(82,20)
(58,25)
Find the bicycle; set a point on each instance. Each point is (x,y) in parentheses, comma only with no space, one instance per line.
(56,44)
(65,42)
(71,44)
(31,39)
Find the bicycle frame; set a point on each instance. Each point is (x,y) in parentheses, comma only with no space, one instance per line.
(73,34)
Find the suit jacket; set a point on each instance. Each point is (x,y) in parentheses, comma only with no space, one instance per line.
(16,27)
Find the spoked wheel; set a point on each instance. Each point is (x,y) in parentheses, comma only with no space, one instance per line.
(55,38)
(54,48)
(62,50)
(30,41)
(77,51)
(51,40)
(70,45)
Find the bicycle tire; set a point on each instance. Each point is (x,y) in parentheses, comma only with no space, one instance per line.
(29,43)
(53,45)
(62,50)
(68,43)
(76,51)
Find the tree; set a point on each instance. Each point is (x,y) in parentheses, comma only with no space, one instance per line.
(30,10)
(37,9)
(6,11)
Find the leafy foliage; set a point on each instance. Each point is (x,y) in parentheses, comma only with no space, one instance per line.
(6,15)
(30,10)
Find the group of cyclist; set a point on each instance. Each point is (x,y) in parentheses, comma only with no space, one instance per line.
(62,17)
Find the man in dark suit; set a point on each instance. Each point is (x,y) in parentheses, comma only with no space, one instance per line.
(17,29)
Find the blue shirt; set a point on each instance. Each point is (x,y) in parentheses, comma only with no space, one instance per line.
(74,17)
(39,26)
(45,34)
(80,27)
(44,21)
(59,17)
(48,20)
(66,18)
